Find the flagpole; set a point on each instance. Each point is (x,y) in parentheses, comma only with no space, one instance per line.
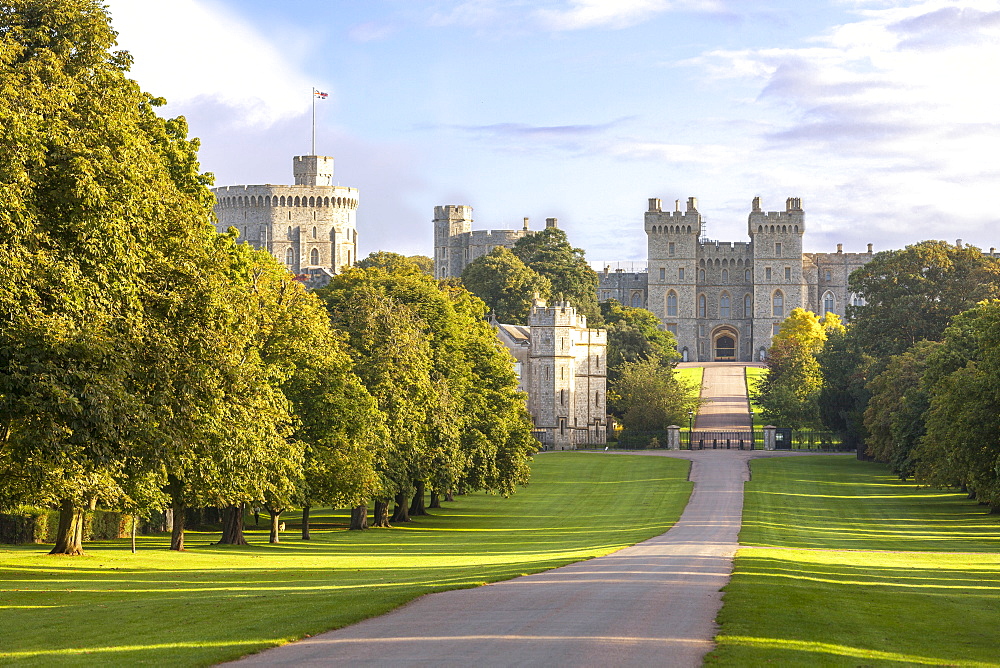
(314,123)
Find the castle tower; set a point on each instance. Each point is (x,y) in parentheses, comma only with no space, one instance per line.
(779,284)
(450,222)
(672,251)
(568,382)
(310,227)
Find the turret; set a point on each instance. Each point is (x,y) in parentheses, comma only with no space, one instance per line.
(313,170)
(450,221)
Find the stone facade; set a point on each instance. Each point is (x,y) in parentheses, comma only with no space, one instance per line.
(310,227)
(562,365)
(725,300)
(628,288)
(456,244)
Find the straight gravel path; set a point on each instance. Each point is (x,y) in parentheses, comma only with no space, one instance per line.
(650,604)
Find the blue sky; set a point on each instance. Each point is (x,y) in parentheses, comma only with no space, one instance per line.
(881,115)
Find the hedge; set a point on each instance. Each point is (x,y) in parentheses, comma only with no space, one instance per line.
(39,525)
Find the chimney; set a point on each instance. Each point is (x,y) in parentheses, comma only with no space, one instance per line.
(654,204)
(551,222)
(958,243)
(525,228)
(840,248)
(869,249)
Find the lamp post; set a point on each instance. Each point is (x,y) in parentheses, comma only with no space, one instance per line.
(691,428)
(751,430)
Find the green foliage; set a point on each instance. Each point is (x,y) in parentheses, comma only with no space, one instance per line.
(549,253)
(962,441)
(505,284)
(894,418)
(650,397)
(912,294)
(845,394)
(788,394)
(634,334)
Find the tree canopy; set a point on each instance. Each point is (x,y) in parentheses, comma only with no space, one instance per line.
(549,253)
(505,284)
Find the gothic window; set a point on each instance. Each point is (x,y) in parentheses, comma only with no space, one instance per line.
(289,231)
(702,306)
(724,306)
(314,257)
(828,303)
(746,276)
(289,258)
(314,232)
(747,306)
(778,304)
(701,275)
(672,303)
(637,300)
(827,275)
(775,328)
(725,276)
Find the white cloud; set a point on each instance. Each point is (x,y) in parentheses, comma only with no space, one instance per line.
(582,14)
(194,52)
(898,107)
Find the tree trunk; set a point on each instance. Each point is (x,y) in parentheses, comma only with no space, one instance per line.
(275,536)
(135,527)
(69,537)
(177,533)
(401,513)
(305,523)
(359,518)
(381,513)
(417,505)
(448,496)
(435,499)
(232,526)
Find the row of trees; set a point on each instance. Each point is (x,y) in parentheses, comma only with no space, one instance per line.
(147,361)
(914,380)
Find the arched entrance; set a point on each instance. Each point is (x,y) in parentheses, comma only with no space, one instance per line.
(725,344)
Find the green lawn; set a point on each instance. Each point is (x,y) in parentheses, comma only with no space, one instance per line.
(754,374)
(855,568)
(692,374)
(210,603)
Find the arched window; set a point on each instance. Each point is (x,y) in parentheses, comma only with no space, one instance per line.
(702,306)
(747,306)
(725,276)
(289,258)
(746,275)
(314,233)
(314,257)
(289,231)
(672,303)
(724,309)
(637,300)
(828,303)
(701,275)
(778,304)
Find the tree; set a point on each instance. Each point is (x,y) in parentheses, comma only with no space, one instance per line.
(548,253)
(895,416)
(789,392)
(506,284)
(912,294)
(961,445)
(648,396)
(844,395)
(634,334)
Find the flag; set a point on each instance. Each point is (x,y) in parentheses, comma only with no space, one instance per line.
(321,95)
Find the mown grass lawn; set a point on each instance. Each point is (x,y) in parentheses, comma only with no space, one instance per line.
(754,374)
(214,603)
(855,568)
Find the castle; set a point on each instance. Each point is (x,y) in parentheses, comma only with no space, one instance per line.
(723,301)
(456,244)
(562,365)
(310,227)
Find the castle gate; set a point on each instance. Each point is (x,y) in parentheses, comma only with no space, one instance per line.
(725,343)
